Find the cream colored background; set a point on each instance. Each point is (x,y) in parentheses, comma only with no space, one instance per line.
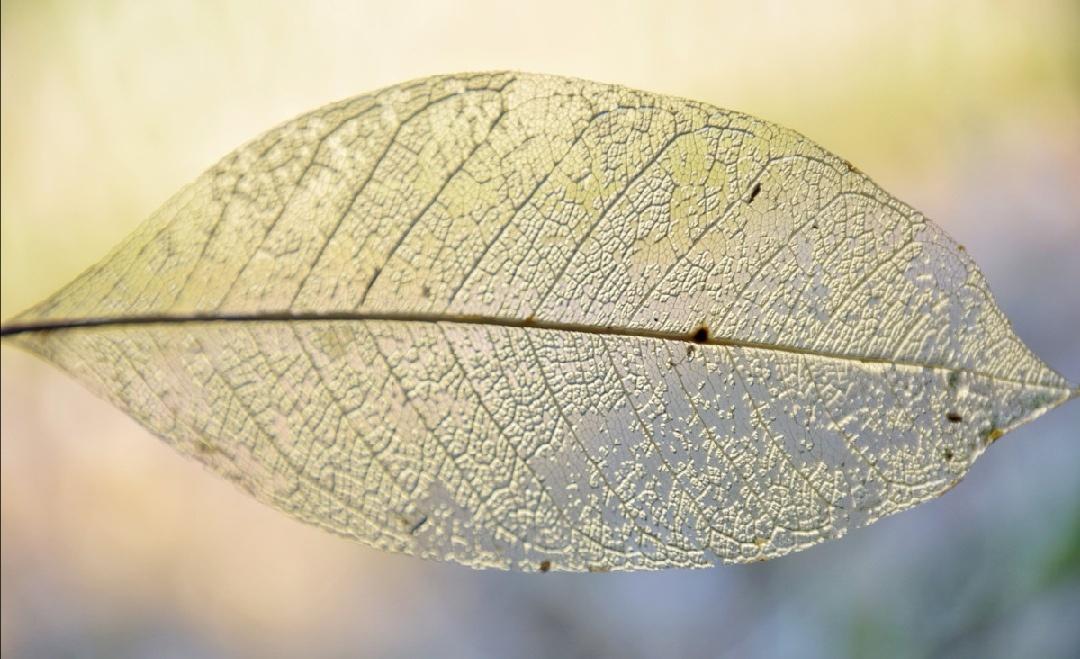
(113,545)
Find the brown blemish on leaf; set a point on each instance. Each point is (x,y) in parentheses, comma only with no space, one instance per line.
(760,543)
(206,448)
(993,435)
(851,167)
(700,335)
(948,454)
(599,568)
(416,527)
(953,417)
(754,192)
(545,566)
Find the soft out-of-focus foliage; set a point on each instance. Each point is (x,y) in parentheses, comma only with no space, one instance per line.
(967,110)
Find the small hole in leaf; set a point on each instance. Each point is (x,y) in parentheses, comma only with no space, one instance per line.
(545,566)
(700,335)
(755,191)
(953,417)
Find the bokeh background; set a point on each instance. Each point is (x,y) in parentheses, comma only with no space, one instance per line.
(114,546)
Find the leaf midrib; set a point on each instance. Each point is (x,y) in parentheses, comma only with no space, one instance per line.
(16,328)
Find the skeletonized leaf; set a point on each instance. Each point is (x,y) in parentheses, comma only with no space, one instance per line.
(532,322)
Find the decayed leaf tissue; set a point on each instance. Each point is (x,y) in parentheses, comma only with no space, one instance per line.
(533,322)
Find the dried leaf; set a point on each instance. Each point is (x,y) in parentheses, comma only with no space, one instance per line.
(539,323)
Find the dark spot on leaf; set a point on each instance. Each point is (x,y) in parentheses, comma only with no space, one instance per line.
(952,379)
(545,566)
(690,350)
(700,335)
(948,454)
(416,527)
(953,417)
(425,291)
(992,435)
(530,320)
(206,448)
(755,191)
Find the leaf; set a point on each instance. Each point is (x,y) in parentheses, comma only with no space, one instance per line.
(532,322)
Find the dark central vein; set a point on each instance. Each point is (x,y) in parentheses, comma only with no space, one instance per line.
(692,336)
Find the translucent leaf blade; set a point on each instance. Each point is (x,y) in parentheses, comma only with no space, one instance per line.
(515,320)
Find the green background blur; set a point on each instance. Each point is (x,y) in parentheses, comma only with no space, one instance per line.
(114,546)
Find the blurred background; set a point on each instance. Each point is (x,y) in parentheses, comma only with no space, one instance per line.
(114,546)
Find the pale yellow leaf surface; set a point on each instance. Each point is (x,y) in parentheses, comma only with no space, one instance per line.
(532,322)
